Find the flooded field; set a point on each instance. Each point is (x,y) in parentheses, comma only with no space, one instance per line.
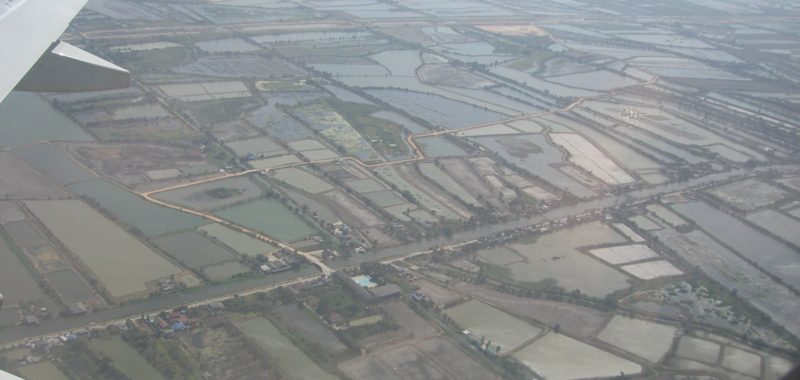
(151,219)
(27,118)
(436,109)
(496,326)
(213,195)
(555,257)
(492,130)
(591,159)
(70,286)
(777,224)
(295,364)
(733,272)
(536,155)
(237,241)
(439,146)
(270,217)
(552,357)
(126,359)
(626,334)
(303,180)
(749,195)
(499,256)
(123,271)
(278,124)
(528,80)
(594,80)
(259,146)
(15,280)
(193,249)
(52,162)
(775,257)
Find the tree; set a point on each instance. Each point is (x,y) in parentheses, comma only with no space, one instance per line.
(323,307)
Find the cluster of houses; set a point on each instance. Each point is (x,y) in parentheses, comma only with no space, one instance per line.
(283,260)
(168,323)
(366,289)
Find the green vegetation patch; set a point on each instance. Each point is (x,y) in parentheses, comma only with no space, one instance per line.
(164,355)
(126,359)
(385,136)
(151,60)
(215,111)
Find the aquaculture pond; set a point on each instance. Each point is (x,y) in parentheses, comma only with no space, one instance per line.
(269,217)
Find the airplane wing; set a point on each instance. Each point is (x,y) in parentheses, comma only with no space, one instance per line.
(34,60)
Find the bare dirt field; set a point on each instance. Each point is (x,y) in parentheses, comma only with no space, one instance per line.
(310,326)
(130,162)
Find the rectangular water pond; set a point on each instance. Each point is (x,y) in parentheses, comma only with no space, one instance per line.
(151,219)
(269,217)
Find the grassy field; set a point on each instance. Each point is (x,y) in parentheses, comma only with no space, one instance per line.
(152,60)
(42,371)
(295,364)
(126,359)
(216,111)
